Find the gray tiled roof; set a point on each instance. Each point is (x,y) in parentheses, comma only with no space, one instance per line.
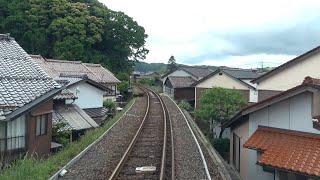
(242,73)
(21,79)
(65,94)
(94,72)
(180,82)
(102,73)
(198,72)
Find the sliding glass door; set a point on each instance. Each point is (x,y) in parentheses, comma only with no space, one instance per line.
(13,134)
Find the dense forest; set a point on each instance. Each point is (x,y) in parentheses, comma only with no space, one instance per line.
(83,30)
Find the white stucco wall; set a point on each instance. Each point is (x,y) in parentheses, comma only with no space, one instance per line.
(293,113)
(292,76)
(223,81)
(88,95)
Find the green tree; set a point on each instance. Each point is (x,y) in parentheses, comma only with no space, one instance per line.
(83,30)
(172,65)
(218,105)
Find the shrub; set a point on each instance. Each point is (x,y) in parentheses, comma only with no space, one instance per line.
(60,133)
(222,145)
(109,104)
(123,86)
(148,81)
(185,105)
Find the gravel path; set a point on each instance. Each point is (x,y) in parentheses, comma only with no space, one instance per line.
(188,161)
(102,158)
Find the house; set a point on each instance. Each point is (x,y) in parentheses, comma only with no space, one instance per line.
(289,74)
(74,118)
(179,88)
(279,137)
(195,72)
(136,76)
(88,95)
(187,74)
(230,78)
(150,74)
(94,72)
(26,93)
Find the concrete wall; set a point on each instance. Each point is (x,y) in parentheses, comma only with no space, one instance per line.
(292,76)
(223,81)
(88,95)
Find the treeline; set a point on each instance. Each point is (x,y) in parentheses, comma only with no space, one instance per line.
(83,30)
(150,67)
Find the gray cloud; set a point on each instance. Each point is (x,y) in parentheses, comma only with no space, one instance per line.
(289,40)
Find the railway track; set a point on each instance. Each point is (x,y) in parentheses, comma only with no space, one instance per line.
(150,152)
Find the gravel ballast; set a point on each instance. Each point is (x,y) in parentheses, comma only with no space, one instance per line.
(188,160)
(102,158)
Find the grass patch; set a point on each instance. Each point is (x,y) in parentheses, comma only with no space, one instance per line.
(35,168)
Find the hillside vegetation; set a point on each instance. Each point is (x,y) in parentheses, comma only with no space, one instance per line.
(83,30)
(150,67)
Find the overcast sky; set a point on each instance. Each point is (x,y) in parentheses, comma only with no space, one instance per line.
(231,33)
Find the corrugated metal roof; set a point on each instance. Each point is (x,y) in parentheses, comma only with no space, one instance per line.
(74,116)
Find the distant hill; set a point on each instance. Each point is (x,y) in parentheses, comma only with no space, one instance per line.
(147,67)
(162,67)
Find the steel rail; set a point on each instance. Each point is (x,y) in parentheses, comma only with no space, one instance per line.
(164,149)
(125,156)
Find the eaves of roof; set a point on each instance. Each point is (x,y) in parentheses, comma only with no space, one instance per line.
(29,107)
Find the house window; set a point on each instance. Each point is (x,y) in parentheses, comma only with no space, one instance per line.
(15,137)
(236,152)
(41,124)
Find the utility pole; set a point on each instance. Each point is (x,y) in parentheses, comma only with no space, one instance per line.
(261,65)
